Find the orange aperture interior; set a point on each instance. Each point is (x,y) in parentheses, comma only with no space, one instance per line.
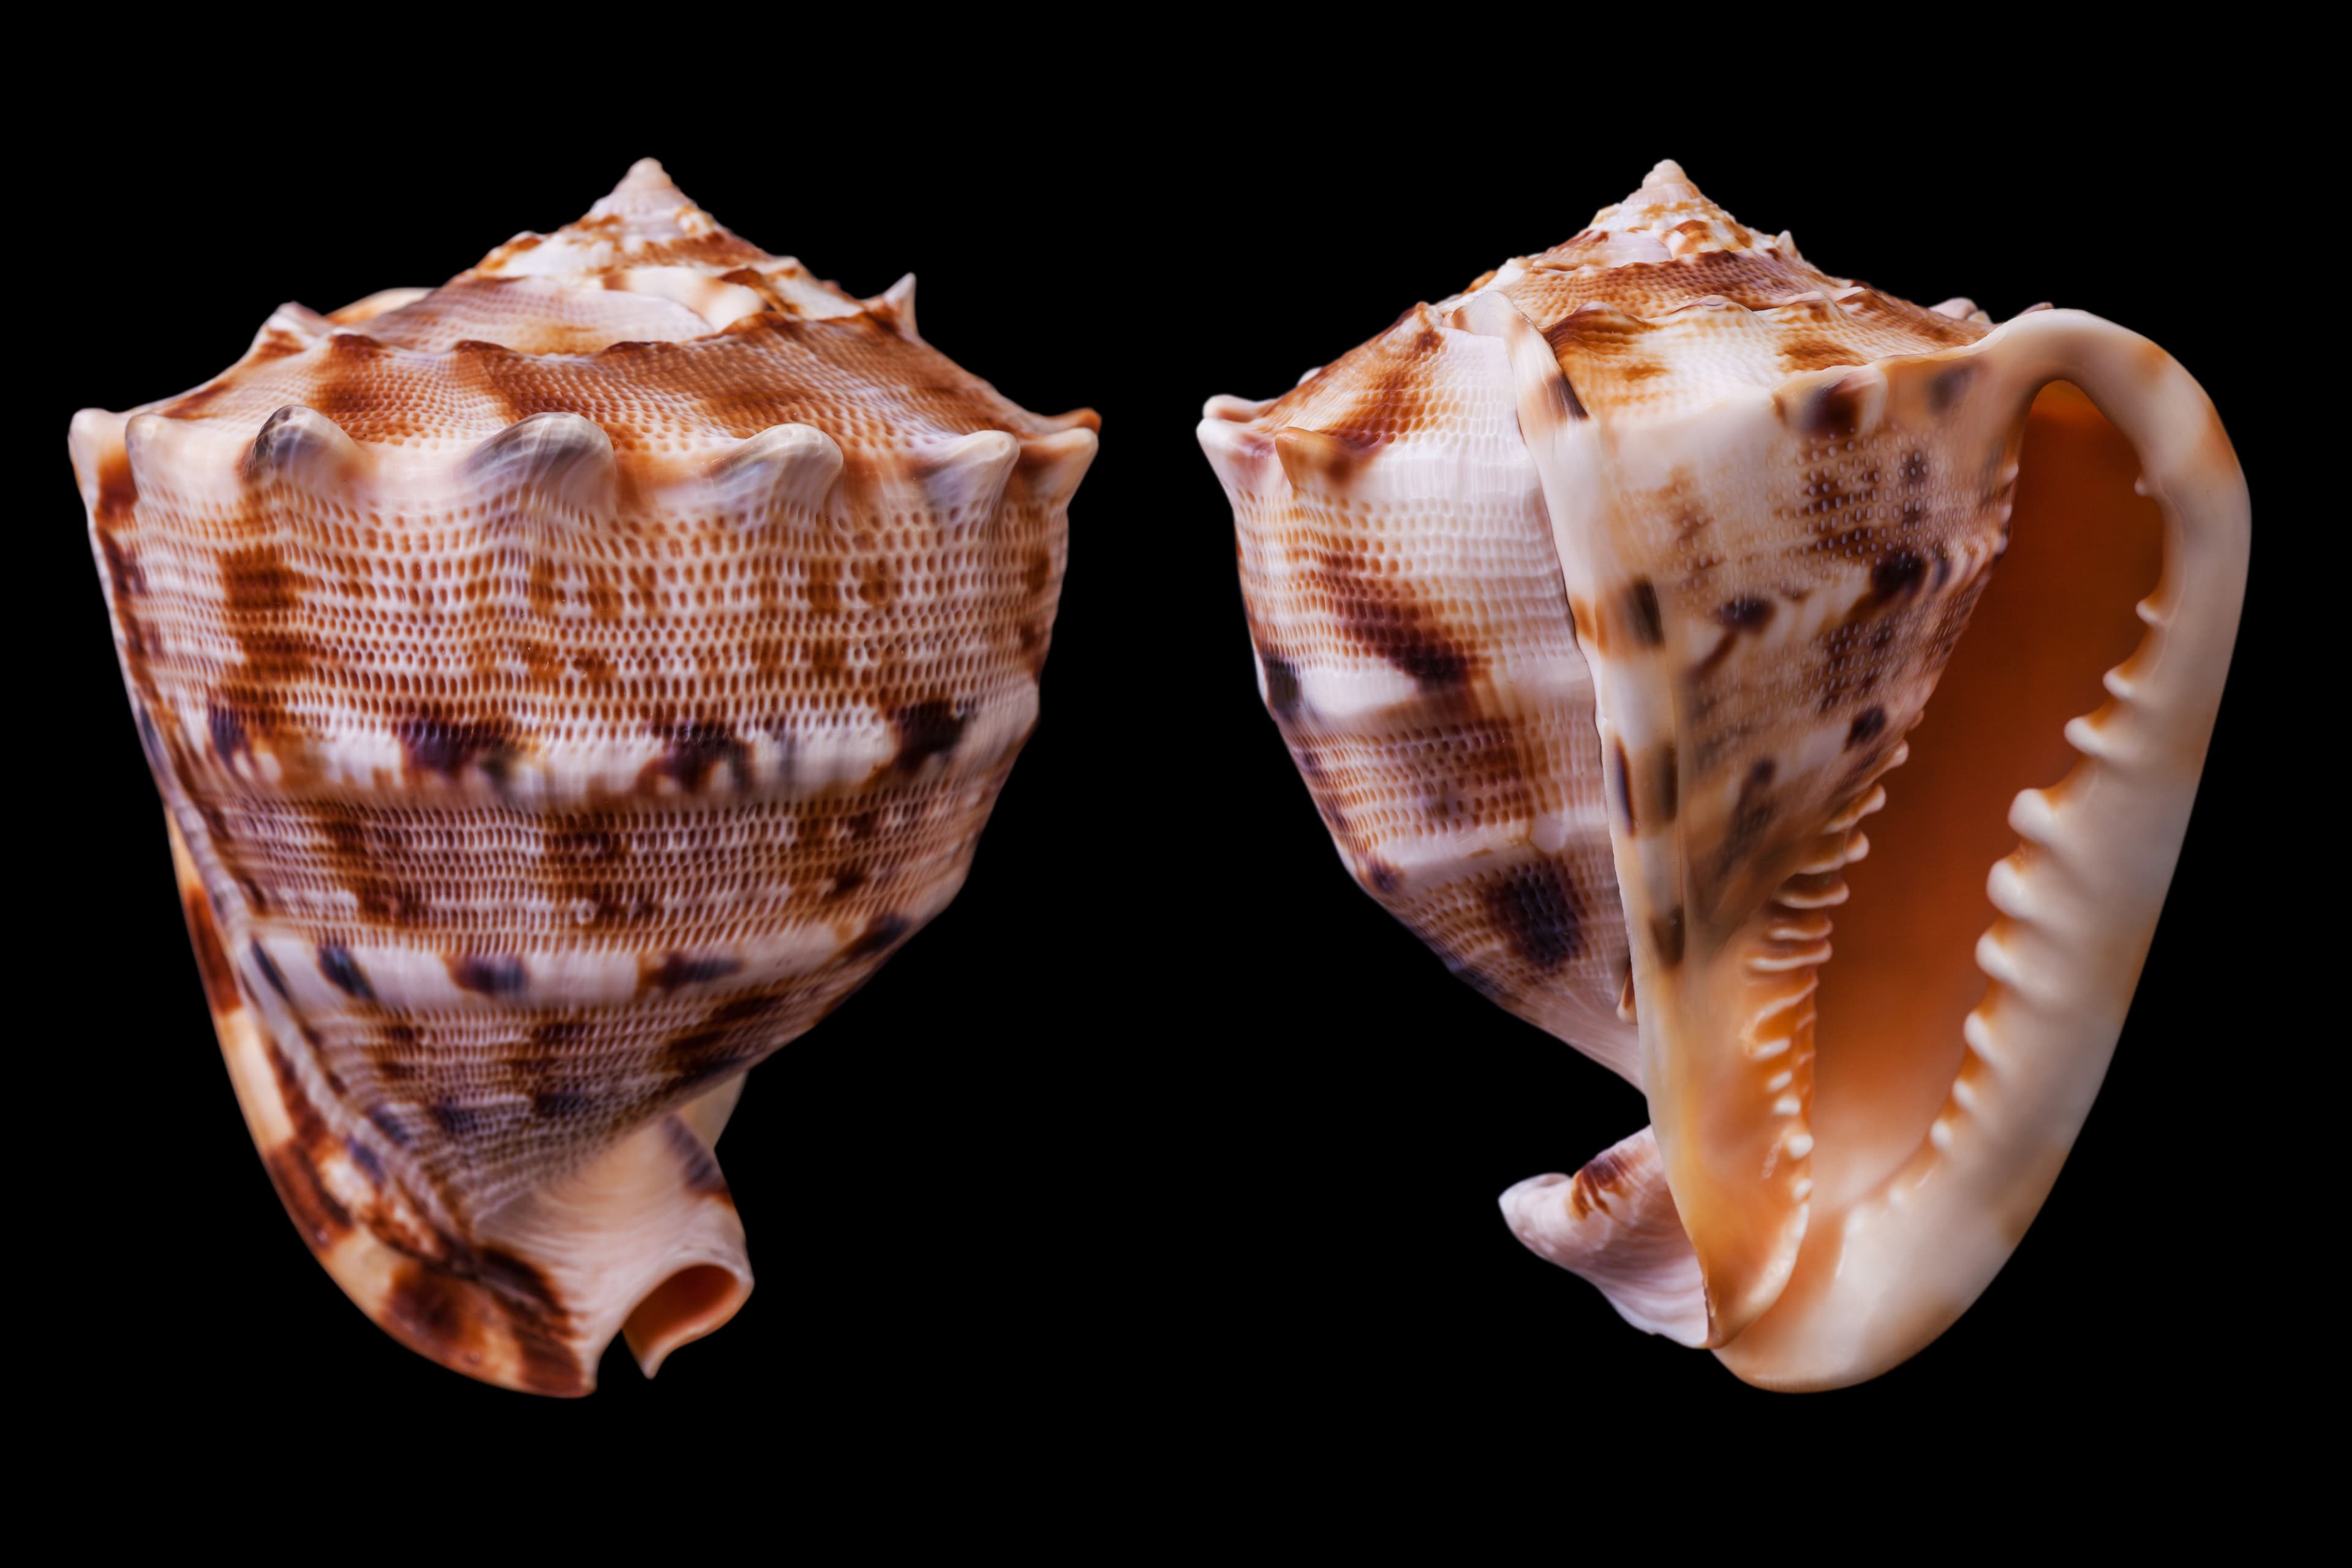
(688,1305)
(2059,613)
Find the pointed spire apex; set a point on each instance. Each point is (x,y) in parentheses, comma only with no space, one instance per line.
(645,197)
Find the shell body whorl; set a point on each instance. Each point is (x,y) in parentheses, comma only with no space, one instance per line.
(1598,605)
(565,686)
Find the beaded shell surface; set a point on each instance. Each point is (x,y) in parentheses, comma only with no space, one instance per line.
(565,686)
(1597,604)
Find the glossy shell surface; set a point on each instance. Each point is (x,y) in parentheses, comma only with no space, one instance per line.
(1597,604)
(565,686)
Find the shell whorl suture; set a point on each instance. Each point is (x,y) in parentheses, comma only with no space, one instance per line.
(565,686)
(1597,604)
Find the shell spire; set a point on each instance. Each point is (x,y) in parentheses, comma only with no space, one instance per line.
(440,725)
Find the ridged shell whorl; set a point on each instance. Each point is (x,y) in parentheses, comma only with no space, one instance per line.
(565,686)
(1596,602)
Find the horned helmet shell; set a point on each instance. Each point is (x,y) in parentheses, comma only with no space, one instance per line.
(1599,604)
(565,686)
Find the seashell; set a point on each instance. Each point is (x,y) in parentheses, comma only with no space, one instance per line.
(565,686)
(1597,604)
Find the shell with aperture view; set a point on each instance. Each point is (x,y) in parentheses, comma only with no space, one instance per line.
(565,686)
(1598,605)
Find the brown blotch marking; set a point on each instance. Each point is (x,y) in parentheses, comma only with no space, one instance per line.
(926,730)
(1537,909)
(1379,875)
(268,969)
(828,658)
(1604,1173)
(212,957)
(846,883)
(1866,724)
(276,343)
(1620,780)
(455,1118)
(693,751)
(1834,412)
(1896,576)
(1736,618)
(877,584)
(343,972)
(1819,353)
(365,1159)
(1667,936)
(118,491)
(1915,469)
(1386,616)
(433,742)
(380,1118)
(696,1163)
(883,932)
(677,969)
(715,1045)
(1946,390)
(558,1104)
(1284,697)
(1644,615)
(448,1318)
(226,726)
(1669,788)
(487,974)
(313,1209)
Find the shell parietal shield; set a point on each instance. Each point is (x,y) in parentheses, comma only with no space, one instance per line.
(565,686)
(1597,604)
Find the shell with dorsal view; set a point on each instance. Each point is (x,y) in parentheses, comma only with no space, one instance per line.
(565,686)
(1598,605)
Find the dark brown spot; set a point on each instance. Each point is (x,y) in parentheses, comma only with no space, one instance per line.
(488,974)
(1866,724)
(558,1104)
(455,1118)
(695,1161)
(380,1118)
(436,743)
(268,970)
(1381,877)
(1915,469)
(1620,780)
(694,750)
(1537,909)
(881,934)
(1670,783)
(343,972)
(1283,696)
(227,727)
(1604,1173)
(1945,391)
(1896,574)
(1644,616)
(1745,614)
(365,1159)
(926,730)
(677,969)
(1383,614)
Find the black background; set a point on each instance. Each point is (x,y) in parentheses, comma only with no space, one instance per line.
(1163,1127)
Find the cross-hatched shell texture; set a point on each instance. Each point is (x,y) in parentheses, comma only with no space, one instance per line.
(1596,602)
(565,686)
